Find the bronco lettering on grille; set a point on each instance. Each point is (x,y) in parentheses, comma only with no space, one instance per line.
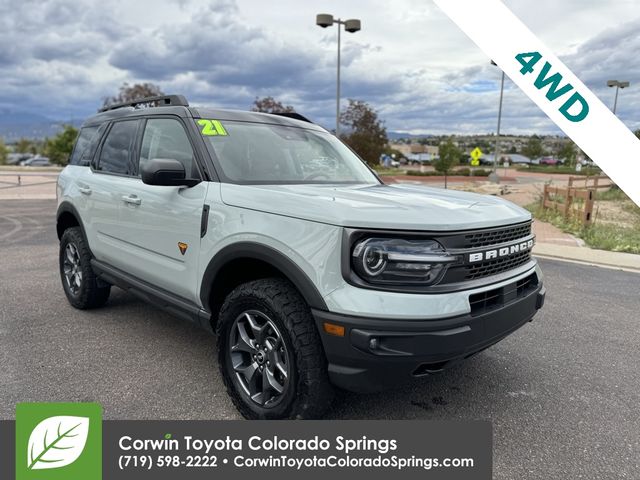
(500,252)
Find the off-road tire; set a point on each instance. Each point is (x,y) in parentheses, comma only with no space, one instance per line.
(92,293)
(309,393)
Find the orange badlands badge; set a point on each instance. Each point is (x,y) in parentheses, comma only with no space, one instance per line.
(183,247)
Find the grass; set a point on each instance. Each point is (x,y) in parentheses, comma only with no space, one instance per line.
(559,169)
(614,193)
(380,170)
(600,235)
(462,172)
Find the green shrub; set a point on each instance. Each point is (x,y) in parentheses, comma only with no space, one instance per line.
(559,169)
(460,172)
(418,173)
(380,170)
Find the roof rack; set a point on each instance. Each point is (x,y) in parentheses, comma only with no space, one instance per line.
(162,100)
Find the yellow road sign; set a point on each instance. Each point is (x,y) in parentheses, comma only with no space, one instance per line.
(476,153)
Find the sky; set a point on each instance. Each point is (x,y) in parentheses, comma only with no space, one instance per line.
(60,58)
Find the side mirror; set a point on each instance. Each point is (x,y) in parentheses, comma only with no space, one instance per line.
(167,172)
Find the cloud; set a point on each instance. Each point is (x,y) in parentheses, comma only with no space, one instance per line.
(610,55)
(60,57)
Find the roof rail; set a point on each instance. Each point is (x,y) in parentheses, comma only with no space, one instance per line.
(295,115)
(161,100)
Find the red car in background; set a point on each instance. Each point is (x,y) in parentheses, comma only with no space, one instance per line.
(549,161)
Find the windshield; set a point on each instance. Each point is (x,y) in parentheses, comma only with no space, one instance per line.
(259,153)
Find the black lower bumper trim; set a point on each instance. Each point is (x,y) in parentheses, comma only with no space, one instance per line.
(377,353)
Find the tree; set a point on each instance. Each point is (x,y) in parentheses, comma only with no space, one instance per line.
(637,132)
(484,145)
(533,148)
(449,156)
(24,145)
(3,152)
(270,105)
(130,93)
(568,153)
(367,134)
(59,148)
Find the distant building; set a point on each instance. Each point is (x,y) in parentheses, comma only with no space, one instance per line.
(416,149)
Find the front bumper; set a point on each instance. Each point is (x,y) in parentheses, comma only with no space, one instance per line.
(375,354)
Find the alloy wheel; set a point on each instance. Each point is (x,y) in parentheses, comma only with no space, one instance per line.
(259,358)
(72,269)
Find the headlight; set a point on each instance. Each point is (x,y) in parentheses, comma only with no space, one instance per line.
(398,261)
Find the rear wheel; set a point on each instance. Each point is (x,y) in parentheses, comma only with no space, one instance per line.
(270,353)
(83,289)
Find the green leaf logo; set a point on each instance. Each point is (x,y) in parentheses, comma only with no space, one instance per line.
(57,442)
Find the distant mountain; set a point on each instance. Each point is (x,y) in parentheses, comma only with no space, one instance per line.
(397,135)
(15,125)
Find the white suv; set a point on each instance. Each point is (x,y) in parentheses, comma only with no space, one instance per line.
(268,230)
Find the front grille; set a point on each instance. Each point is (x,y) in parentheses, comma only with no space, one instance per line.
(496,236)
(497,265)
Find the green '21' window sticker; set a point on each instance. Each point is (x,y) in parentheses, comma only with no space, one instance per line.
(210,128)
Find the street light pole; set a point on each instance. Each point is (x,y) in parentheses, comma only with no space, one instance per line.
(495,159)
(338,87)
(618,84)
(494,176)
(352,25)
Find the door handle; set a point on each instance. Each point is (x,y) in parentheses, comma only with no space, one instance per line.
(131,199)
(85,190)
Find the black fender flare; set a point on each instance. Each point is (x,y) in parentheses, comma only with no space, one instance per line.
(67,207)
(269,255)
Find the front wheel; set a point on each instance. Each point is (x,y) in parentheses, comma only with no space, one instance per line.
(270,353)
(82,287)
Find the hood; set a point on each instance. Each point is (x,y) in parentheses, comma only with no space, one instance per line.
(398,207)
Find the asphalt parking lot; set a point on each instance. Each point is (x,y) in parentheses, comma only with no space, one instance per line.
(563,392)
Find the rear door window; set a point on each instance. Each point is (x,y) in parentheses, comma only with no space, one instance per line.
(116,155)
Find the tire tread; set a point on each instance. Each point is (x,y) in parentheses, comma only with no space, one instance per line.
(92,295)
(314,391)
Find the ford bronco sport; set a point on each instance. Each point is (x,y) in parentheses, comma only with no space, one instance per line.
(269,231)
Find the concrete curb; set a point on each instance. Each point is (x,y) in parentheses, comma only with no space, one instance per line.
(589,256)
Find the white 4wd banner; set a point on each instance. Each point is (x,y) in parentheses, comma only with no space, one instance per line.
(552,86)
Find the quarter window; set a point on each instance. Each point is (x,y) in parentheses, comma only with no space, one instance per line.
(83,143)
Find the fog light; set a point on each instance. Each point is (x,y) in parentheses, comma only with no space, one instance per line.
(374,343)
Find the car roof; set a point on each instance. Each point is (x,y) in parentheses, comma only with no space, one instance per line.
(131,112)
(285,119)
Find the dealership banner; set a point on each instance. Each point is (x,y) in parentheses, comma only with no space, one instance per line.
(547,81)
(79,445)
